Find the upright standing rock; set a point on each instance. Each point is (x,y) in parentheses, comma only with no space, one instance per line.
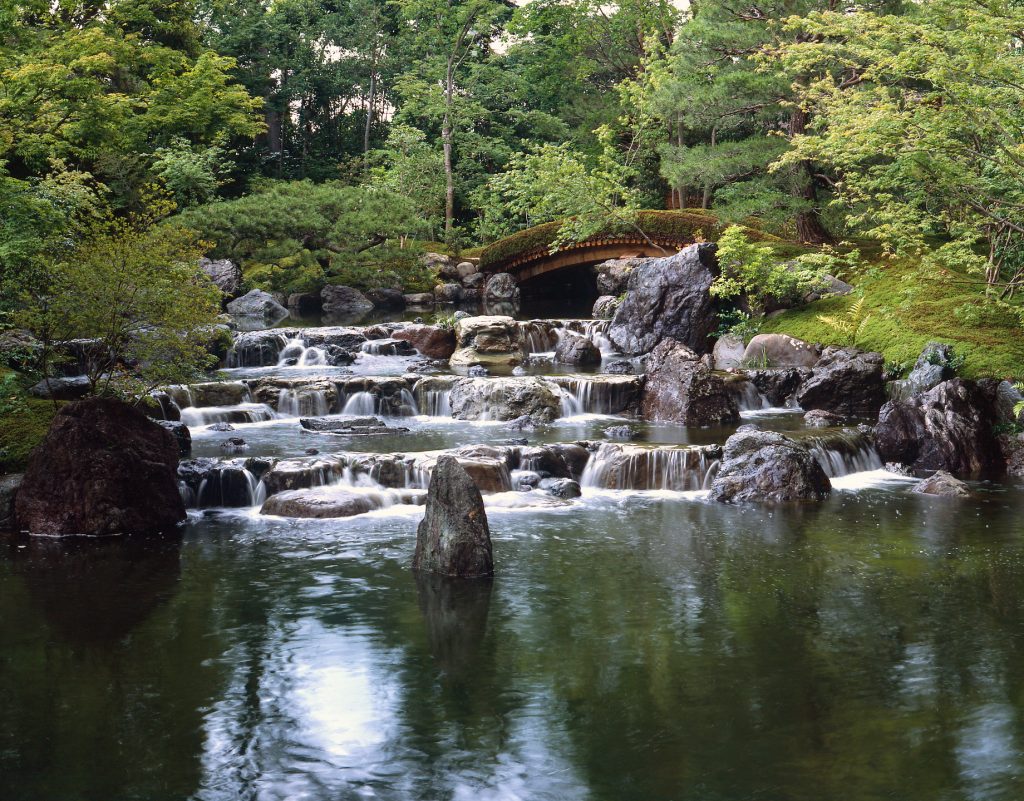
(453,539)
(104,468)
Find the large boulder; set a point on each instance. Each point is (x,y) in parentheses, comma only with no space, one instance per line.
(846,381)
(949,428)
(259,304)
(344,301)
(421,300)
(488,341)
(577,350)
(431,341)
(225,275)
(448,293)
(465,269)
(505,399)
(613,275)
(453,539)
(181,435)
(305,302)
(62,388)
(103,468)
(384,298)
(779,350)
(668,298)
(728,352)
(682,388)
(779,386)
(932,367)
(501,288)
(767,466)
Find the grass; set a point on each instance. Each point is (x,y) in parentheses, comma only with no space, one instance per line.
(909,308)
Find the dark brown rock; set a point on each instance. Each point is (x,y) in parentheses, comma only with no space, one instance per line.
(103,468)
(431,341)
(682,388)
(845,381)
(453,538)
(946,428)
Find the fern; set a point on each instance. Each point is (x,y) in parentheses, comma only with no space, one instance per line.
(1018,407)
(848,327)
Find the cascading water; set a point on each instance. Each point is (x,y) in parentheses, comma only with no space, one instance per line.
(229,486)
(361,404)
(302,403)
(296,354)
(244,413)
(631,467)
(841,453)
(539,336)
(597,395)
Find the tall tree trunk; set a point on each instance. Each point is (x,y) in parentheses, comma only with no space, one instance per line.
(809,227)
(369,103)
(446,138)
(705,202)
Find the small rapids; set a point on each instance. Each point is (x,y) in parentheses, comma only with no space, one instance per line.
(633,467)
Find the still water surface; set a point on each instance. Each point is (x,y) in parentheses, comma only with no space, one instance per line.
(633,646)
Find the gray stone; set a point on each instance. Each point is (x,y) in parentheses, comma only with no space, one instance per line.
(181,435)
(564,488)
(384,298)
(420,299)
(779,350)
(577,350)
(505,399)
(453,538)
(767,466)
(668,298)
(501,288)
(942,483)
(305,302)
(475,281)
(931,369)
(257,303)
(682,388)
(67,388)
(464,269)
(488,341)
(728,352)
(224,273)
(448,293)
(344,301)
(605,306)
(613,275)
(819,418)
(845,381)
(949,428)
(316,503)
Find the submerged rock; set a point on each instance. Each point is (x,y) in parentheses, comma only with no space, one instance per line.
(767,466)
(819,418)
(453,539)
(103,468)
(668,298)
(317,503)
(949,428)
(942,483)
(564,488)
(845,381)
(682,388)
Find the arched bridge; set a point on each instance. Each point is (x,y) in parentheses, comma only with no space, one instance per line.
(530,253)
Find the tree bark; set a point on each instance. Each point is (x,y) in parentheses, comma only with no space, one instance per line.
(809,227)
(446,138)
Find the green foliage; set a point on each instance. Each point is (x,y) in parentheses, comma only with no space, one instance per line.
(409,165)
(893,371)
(296,235)
(848,327)
(753,270)
(923,117)
(22,427)
(135,286)
(739,323)
(192,175)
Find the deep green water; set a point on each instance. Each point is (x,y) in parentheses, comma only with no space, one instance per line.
(635,648)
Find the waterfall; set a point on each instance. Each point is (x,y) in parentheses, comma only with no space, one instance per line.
(597,395)
(632,467)
(843,452)
(228,486)
(436,402)
(748,398)
(302,403)
(597,332)
(539,336)
(258,349)
(241,414)
(361,404)
(296,354)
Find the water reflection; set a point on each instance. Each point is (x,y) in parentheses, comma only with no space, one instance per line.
(635,646)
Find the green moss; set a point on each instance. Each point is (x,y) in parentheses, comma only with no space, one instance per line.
(908,309)
(682,226)
(21,429)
